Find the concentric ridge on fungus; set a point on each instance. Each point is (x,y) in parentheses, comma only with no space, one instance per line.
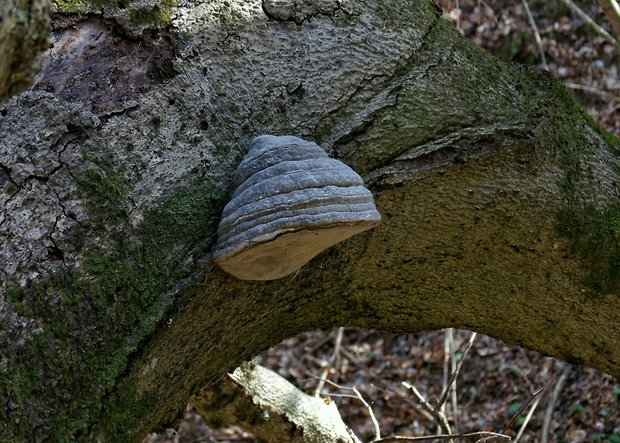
(291,202)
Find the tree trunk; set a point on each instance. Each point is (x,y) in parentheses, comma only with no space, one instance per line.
(498,196)
(24,31)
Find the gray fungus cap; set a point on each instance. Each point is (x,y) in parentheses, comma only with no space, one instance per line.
(290,203)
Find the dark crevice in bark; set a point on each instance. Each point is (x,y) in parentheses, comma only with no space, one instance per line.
(103,69)
(452,149)
(55,253)
(105,117)
(293,11)
(8,171)
(5,279)
(43,178)
(392,84)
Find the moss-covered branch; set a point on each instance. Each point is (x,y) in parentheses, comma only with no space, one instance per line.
(498,195)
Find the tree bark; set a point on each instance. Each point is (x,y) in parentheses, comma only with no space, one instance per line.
(499,199)
(24,32)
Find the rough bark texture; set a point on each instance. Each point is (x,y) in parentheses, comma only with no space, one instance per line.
(24,33)
(499,199)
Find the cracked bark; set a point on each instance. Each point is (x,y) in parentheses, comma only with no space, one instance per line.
(471,160)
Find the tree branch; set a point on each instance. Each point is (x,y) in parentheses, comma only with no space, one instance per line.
(262,402)
(483,434)
(585,17)
(497,194)
(612,11)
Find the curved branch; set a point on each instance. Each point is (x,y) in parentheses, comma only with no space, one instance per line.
(498,196)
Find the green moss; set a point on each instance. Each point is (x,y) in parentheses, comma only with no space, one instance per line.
(84,6)
(556,111)
(92,319)
(573,144)
(595,235)
(571,138)
(405,12)
(23,309)
(610,139)
(126,409)
(71,6)
(15,293)
(594,232)
(126,412)
(28,381)
(159,15)
(105,190)
(222,151)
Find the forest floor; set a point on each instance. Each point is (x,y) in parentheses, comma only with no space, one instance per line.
(496,380)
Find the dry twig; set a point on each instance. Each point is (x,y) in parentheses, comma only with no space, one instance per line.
(448,340)
(375,423)
(591,22)
(555,394)
(455,374)
(485,434)
(612,11)
(440,418)
(590,89)
(530,18)
(330,363)
(359,396)
(528,416)
(416,407)
(453,368)
(523,408)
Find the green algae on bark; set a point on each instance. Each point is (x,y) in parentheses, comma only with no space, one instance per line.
(92,318)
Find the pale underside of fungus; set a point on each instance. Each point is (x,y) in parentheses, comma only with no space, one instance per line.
(291,202)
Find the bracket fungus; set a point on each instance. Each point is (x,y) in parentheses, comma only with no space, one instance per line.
(291,202)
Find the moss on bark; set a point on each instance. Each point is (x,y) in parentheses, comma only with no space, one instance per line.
(103,310)
(156,13)
(470,159)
